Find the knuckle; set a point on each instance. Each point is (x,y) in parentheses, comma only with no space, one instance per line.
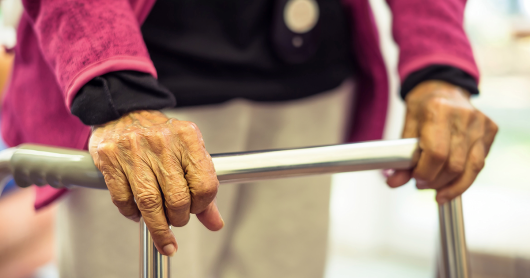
(157,142)
(438,154)
(129,139)
(456,167)
(206,190)
(477,165)
(188,127)
(148,201)
(203,194)
(493,126)
(181,222)
(107,147)
(178,201)
(121,201)
(191,126)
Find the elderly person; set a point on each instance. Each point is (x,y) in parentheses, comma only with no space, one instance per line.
(243,75)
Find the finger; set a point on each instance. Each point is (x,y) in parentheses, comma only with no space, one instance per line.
(399,178)
(491,131)
(198,167)
(435,145)
(122,196)
(459,149)
(177,200)
(474,165)
(410,129)
(170,176)
(455,164)
(116,181)
(211,218)
(149,201)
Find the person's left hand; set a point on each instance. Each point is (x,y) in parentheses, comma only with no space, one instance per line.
(454,139)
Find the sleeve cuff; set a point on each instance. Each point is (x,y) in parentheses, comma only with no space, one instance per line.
(445,73)
(106,98)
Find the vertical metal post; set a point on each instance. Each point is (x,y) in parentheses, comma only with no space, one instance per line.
(454,258)
(152,263)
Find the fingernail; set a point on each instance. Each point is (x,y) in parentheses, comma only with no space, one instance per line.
(169,249)
(388,172)
(421,184)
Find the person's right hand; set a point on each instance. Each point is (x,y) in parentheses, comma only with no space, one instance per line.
(163,165)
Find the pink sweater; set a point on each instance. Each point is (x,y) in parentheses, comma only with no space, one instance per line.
(63,44)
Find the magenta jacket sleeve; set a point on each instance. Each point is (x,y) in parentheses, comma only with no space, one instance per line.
(87,38)
(431,32)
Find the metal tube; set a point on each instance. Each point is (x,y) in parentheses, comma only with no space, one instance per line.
(152,263)
(255,166)
(454,257)
(32,164)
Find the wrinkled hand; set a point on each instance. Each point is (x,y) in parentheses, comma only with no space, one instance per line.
(163,165)
(454,139)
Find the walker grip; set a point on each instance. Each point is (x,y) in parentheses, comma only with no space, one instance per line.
(58,167)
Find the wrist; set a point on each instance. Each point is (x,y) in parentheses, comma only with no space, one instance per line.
(142,116)
(436,88)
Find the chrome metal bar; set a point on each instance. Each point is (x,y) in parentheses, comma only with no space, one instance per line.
(152,263)
(255,166)
(58,167)
(31,164)
(454,256)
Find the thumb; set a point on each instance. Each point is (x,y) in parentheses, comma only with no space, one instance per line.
(211,217)
(399,178)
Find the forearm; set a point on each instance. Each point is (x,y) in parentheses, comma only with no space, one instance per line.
(84,39)
(431,32)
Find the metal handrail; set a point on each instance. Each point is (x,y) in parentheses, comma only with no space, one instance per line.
(33,164)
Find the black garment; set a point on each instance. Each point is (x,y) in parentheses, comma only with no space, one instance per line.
(445,73)
(210,51)
(100,101)
(107,97)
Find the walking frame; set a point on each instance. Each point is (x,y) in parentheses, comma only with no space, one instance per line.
(40,165)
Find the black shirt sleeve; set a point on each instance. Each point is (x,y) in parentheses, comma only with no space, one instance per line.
(108,97)
(445,73)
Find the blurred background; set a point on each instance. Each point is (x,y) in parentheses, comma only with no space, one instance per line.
(379,232)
